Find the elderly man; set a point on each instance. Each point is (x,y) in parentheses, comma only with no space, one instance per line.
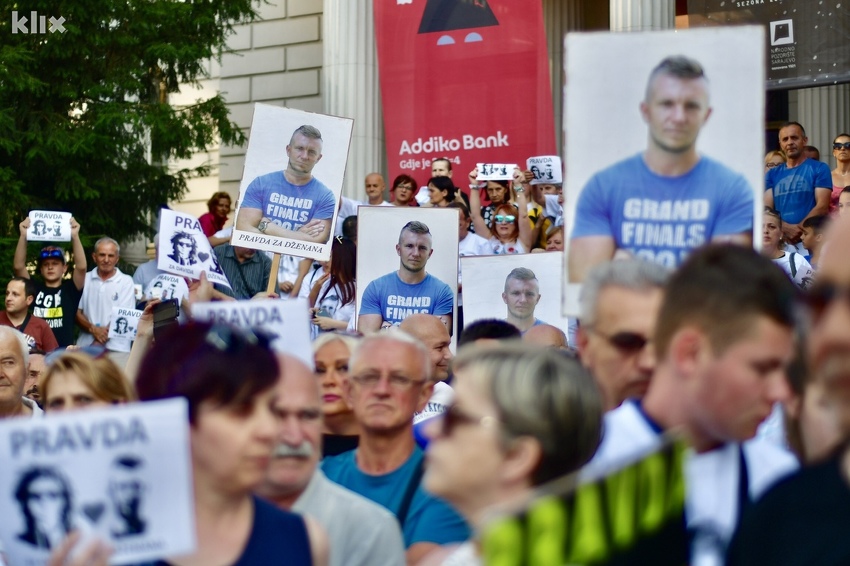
(389,381)
(360,531)
(246,270)
(14,361)
(435,337)
(374,187)
(619,304)
(546,335)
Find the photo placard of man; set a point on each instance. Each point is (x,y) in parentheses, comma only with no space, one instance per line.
(521,295)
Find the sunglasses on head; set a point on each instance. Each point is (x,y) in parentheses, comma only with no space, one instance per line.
(820,296)
(95,352)
(51,253)
(771,165)
(505,218)
(626,342)
(845,145)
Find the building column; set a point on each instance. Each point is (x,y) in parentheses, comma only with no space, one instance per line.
(824,112)
(642,15)
(350,86)
(559,17)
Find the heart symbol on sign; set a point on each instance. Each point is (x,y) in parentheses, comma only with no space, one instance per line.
(203,256)
(94,511)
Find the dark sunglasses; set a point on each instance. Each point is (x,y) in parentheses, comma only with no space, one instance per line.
(52,252)
(626,342)
(845,145)
(771,165)
(454,417)
(505,218)
(820,296)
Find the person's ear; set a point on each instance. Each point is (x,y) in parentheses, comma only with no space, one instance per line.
(522,457)
(398,250)
(688,348)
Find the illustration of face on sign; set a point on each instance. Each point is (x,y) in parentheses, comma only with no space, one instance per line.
(126,494)
(43,495)
(185,250)
(546,169)
(686,168)
(292,181)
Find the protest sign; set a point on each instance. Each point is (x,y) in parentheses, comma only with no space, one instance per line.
(98,471)
(124,322)
(287,321)
(633,516)
(495,171)
(546,169)
(292,180)
(185,250)
(49,226)
(165,287)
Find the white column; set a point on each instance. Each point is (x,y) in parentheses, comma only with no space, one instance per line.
(559,17)
(824,112)
(350,86)
(642,15)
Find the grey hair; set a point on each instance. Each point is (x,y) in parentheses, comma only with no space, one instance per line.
(326,338)
(107,240)
(520,274)
(308,132)
(539,393)
(631,273)
(8,331)
(399,336)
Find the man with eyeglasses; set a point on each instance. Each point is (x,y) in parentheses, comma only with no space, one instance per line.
(361,532)
(800,188)
(619,303)
(803,520)
(389,382)
(723,341)
(56,298)
(668,200)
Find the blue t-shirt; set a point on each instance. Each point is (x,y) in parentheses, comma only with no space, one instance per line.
(662,219)
(428,519)
(395,300)
(287,205)
(794,189)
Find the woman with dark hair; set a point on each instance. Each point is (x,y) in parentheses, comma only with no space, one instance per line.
(841,173)
(219,208)
(403,190)
(441,190)
(44,497)
(227,377)
(773,247)
(332,295)
(509,230)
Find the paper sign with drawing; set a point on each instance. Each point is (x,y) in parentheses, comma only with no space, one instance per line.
(184,250)
(49,226)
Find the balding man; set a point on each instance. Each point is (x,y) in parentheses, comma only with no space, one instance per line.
(14,359)
(360,531)
(375,185)
(434,335)
(389,381)
(546,335)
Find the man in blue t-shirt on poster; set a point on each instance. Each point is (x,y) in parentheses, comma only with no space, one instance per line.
(390,299)
(662,203)
(291,203)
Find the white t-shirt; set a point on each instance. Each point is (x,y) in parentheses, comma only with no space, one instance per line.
(331,303)
(712,478)
(440,399)
(287,271)
(802,273)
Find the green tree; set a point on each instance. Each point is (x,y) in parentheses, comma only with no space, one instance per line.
(85,120)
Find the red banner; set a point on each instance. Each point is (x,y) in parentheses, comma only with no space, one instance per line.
(463,79)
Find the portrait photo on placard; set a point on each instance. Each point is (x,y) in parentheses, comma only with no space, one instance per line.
(406,264)
(49,226)
(292,180)
(683,166)
(185,250)
(99,472)
(523,289)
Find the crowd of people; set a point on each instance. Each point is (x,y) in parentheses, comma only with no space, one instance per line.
(392,450)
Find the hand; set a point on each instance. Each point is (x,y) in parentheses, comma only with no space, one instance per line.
(321,280)
(201,290)
(24,226)
(473,176)
(101,334)
(518,176)
(262,295)
(792,232)
(312,228)
(324,322)
(75,227)
(286,286)
(94,553)
(145,326)
(528,177)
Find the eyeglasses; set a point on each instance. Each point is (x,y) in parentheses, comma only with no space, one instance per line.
(771,165)
(94,352)
(845,145)
(229,339)
(397,382)
(821,295)
(51,253)
(454,417)
(505,218)
(626,342)
(404,188)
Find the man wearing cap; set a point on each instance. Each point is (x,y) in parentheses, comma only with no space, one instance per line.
(56,298)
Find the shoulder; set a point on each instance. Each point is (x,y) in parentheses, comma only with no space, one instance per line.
(362,511)
(629,165)
(275,177)
(767,463)
(625,436)
(333,466)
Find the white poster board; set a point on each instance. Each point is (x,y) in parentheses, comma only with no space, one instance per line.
(49,226)
(288,321)
(99,471)
(185,250)
(546,169)
(732,135)
(124,323)
(268,204)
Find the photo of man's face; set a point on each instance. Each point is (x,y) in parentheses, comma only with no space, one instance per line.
(675,110)
(303,153)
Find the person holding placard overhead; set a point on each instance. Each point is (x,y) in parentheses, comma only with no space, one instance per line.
(233,430)
(509,231)
(664,202)
(291,203)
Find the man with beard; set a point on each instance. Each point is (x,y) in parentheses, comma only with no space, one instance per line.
(360,531)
